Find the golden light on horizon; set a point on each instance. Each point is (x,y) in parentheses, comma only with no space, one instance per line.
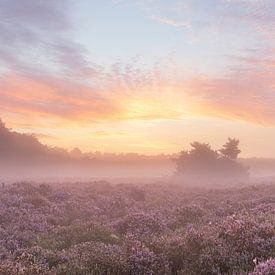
(75,87)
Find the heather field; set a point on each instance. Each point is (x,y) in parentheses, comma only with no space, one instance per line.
(100,228)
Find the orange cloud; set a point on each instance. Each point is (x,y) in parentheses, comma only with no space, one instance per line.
(55,98)
(245,93)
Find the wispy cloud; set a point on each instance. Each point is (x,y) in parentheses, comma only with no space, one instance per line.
(172,22)
(36,37)
(49,77)
(245,93)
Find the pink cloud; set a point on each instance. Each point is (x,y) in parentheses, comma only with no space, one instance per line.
(54,98)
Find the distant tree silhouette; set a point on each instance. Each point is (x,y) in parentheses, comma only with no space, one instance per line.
(76,153)
(24,147)
(2,124)
(202,162)
(230,149)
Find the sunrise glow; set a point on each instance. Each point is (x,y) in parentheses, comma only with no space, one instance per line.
(139,76)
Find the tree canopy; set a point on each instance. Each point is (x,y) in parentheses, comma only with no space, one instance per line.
(230,149)
(203,162)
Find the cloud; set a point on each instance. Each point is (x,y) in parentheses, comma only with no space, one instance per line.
(218,16)
(172,22)
(40,136)
(124,93)
(54,98)
(36,37)
(246,92)
(40,33)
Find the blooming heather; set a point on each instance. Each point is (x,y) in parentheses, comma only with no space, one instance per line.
(100,228)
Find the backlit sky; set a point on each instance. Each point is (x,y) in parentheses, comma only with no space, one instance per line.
(146,76)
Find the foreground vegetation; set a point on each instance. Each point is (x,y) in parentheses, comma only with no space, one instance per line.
(101,228)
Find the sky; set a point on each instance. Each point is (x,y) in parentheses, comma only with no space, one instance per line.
(146,76)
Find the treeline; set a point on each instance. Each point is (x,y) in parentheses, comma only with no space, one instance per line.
(20,147)
(199,163)
(17,147)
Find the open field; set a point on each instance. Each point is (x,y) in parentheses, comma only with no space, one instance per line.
(100,228)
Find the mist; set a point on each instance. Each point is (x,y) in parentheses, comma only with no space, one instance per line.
(23,157)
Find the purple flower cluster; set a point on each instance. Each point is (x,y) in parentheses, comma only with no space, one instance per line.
(266,268)
(100,228)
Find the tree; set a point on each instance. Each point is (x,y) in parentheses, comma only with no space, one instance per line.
(202,151)
(201,163)
(76,153)
(199,159)
(230,149)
